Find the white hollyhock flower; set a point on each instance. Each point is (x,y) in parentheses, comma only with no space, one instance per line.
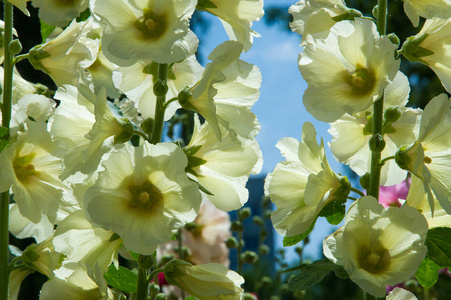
(22,227)
(147,29)
(359,64)
(30,167)
(82,242)
(222,167)
(415,9)
(76,281)
(316,17)
(137,82)
(432,47)
(225,94)
(236,16)
(61,58)
(418,198)
(143,195)
(378,246)
(22,5)
(207,281)
(429,157)
(400,294)
(351,133)
(302,185)
(100,73)
(21,87)
(59,13)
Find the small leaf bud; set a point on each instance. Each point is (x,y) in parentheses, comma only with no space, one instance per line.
(392,113)
(264,249)
(266,281)
(402,158)
(249,296)
(365,181)
(244,213)
(15,47)
(375,11)
(249,257)
(147,125)
(267,214)
(154,288)
(377,143)
(236,226)
(394,39)
(258,220)
(146,262)
(160,88)
(231,242)
(160,296)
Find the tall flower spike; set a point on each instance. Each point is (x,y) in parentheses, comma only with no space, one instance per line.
(143,195)
(378,246)
(351,133)
(146,29)
(303,184)
(359,64)
(429,158)
(432,47)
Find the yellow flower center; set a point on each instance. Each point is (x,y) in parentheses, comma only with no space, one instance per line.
(144,196)
(360,82)
(375,260)
(151,25)
(23,168)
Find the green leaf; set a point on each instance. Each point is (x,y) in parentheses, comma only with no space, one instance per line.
(438,241)
(3,132)
(84,15)
(427,273)
(122,279)
(46,30)
(293,240)
(334,212)
(310,275)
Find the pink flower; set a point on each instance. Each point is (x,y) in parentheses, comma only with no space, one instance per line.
(390,195)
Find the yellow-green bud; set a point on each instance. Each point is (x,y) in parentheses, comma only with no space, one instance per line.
(394,39)
(365,181)
(266,281)
(249,257)
(15,47)
(231,242)
(160,296)
(146,262)
(185,97)
(160,88)
(377,143)
(264,249)
(236,226)
(392,113)
(244,213)
(258,220)
(147,125)
(402,159)
(248,296)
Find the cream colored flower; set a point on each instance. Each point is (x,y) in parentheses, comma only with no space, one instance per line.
(82,242)
(22,227)
(22,5)
(225,94)
(100,73)
(400,294)
(415,9)
(316,17)
(222,167)
(236,16)
(429,158)
(151,29)
(359,64)
(351,133)
(30,167)
(378,246)
(206,282)
(432,47)
(59,13)
(21,87)
(143,195)
(76,281)
(303,184)
(63,57)
(418,198)
(137,82)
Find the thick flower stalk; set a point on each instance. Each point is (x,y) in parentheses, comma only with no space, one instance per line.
(378,246)
(302,185)
(360,65)
(143,195)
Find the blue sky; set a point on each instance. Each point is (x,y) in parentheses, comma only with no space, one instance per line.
(279,108)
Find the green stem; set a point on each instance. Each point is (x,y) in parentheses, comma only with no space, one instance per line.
(141,134)
(143,285)
(170,101)
(6,118)
(378,111)
(19,58)
(386,159)
(239,250)
(157,129)
(359,192)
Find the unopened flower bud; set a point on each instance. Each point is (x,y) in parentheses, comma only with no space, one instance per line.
(244,213)
(266,281)
(160,296)
(160,88)
(392,113)
(146,262)
(365,181)
(258,220)
(147,125)
(249,257)
(249,296)
(264,249)
(231,242)
(394,39)
(236,226)
(377,143)
(15,47)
